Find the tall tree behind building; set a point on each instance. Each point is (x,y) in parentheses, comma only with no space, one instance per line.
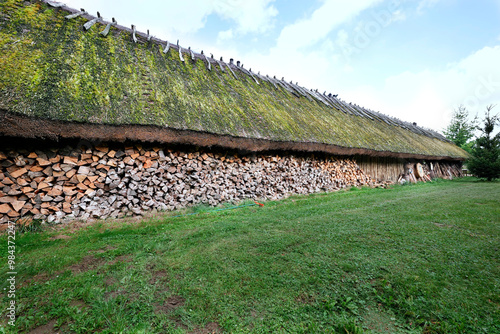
(461,129)
(485,159)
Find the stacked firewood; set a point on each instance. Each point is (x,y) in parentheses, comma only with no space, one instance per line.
(447,170)
(103,181)
(429,171)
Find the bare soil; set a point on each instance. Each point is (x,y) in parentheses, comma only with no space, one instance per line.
(48,328)
(170,304)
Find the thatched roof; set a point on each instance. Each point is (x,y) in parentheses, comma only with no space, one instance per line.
(60,70)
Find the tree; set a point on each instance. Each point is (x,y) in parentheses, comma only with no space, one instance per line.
(461,130)
(485,159)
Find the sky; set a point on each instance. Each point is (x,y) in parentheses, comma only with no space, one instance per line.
(417,60)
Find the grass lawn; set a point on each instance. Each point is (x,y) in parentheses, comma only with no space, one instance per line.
(413,259)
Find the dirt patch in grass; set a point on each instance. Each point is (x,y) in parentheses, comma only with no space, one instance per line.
(121,258)
(378,320)
(210,328)
(158,276)
(60,237)
(78,303)
(119,291)
(38,278)
(444,225)
(87,263)
(170,304)
(76,225)
(103,250)
(111,295)
(72,227)
(110,281)
(44,329)
(305,299)
(178,322)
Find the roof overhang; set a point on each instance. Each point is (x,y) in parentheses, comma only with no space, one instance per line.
(15,125)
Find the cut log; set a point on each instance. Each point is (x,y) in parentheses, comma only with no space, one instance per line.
(47,198)
(80,178)
(112,163)
(128,160)
(69,191)
(67,167)
(59,174)
(86,156)
(84,170)
(55,159)
(27,190)
(55,191)
(92,178)
(70,160)
(22,182)
(18,205)
(67,208)
(43,185)
(13,214)
(43,162)
(103,149)
(7,181)
(5,208)
(70,174)
(99,154)
(18,173)
(48,171)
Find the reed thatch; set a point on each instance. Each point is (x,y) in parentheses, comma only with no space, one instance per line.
(67,70)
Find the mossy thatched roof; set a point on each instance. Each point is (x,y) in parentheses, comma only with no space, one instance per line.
(54,68)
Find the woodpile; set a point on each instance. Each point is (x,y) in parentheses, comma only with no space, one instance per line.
(417,172)
(381,169)
(114,181)
(446,170)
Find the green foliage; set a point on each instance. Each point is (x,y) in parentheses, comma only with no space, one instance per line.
(461,129)
(485,160)
(405,260)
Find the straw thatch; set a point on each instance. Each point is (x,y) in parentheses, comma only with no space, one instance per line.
(70,70)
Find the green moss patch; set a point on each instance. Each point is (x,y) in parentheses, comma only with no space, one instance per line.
(51,68)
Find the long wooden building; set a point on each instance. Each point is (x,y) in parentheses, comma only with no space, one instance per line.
(86,105)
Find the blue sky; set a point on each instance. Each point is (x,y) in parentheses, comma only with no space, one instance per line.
(415,60)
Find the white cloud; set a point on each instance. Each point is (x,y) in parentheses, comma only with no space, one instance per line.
(225,35)
(316,40)
(398,16)
(429,97)
(250,16)
(322,21)
(423,4)
(185,17)
(304,50)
